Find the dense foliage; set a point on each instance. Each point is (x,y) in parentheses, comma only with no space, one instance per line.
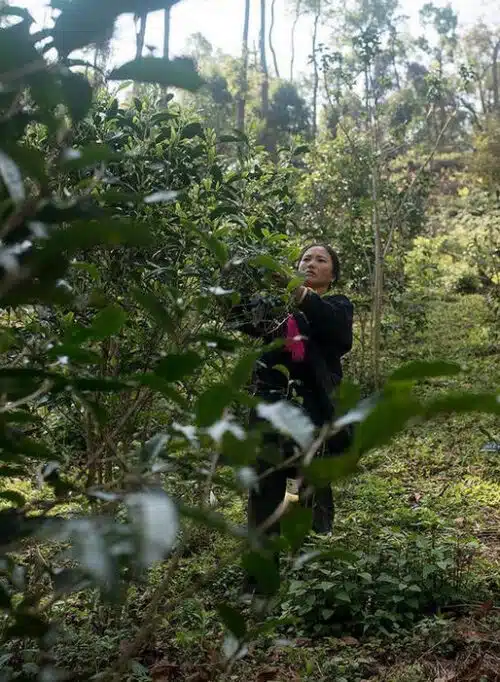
(130,224)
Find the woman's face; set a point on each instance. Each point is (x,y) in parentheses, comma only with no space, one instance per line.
(317,265)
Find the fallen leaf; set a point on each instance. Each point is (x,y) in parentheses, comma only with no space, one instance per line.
(267,675)
(350,641)
(163,671)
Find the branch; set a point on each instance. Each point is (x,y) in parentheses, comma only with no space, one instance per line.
(46,386)
(399,209)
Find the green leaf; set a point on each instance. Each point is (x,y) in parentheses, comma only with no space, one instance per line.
(420,369)
(7,11)
(155,520)
(192,130)
(75,354)
(21,417)
(212,403)
(342,597)
(29,448)
(264,570)
(233,620)
(295,283)
(4,598)
(176,366)
(347,397)
(85,235)
(266,261)
(91,155)
(165,388)
(221,343)
(28,625)
(176,73)
(101,385)
(77,93)
(218,248)
(243,369)
(325,470)
(108,322)
(462,402)
(389,416)
(14,497)
(16,50)
(82,22)
(296,525)
(162,196)
(154,306)
(223,210)
(301,149)
(30,160)
(12,178)
(289,420)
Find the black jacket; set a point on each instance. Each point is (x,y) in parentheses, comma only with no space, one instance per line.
(326,324)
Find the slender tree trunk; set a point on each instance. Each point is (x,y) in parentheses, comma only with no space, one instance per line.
(243,85)
(484,104)
(166,32)
(294,28)
(378,278)
(264,90)
(378,266)
(393,59)
(271,46)
(140,22)
(496,86)
(316,69)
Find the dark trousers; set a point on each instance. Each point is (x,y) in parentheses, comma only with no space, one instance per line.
(263,501)
(271,490)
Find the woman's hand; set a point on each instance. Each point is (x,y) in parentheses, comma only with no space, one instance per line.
(300,293)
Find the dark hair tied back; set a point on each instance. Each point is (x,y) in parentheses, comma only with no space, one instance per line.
(333,255)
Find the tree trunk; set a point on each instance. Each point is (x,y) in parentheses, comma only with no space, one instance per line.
(378,266)
(166,32)
(496,87)
(378,276)
(264,89)
(393,59)
(271,46)
(316,70)
(292,49)
(243,85)
(140,22)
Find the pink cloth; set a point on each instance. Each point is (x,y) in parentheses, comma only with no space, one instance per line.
(294,343)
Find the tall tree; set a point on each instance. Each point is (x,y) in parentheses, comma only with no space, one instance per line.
(271,45)
(140,21)
(292,41)
(243,77)
(264,91)
(495,77)
(444,20)
(317,15)
(481,48)
(166,31)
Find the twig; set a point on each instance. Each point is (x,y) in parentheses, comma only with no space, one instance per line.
(46,385)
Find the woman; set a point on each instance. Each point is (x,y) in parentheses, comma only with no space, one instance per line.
(318,333)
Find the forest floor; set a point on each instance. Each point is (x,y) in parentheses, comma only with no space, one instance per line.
(419,598)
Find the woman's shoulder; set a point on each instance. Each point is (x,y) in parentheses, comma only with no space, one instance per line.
(339,299)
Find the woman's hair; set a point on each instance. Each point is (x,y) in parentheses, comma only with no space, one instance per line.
(333,256)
